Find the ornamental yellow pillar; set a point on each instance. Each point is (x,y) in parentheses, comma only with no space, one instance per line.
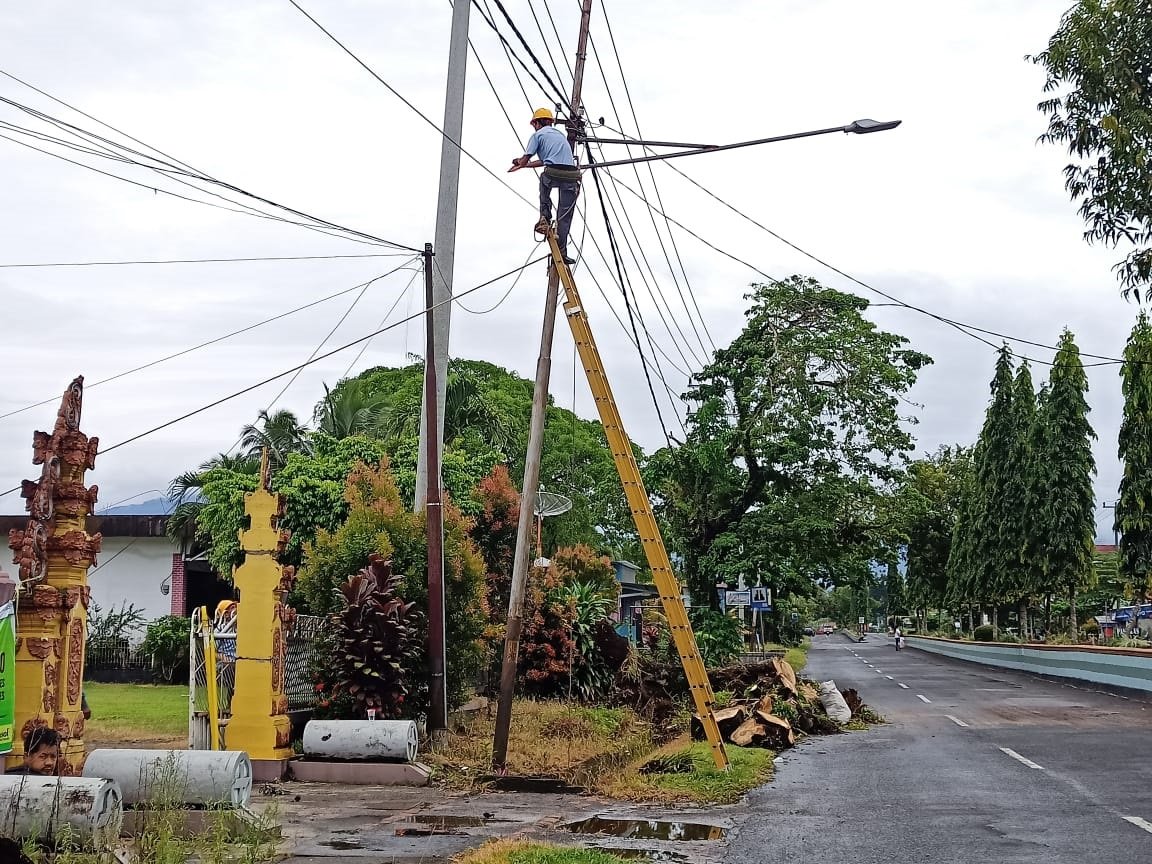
(259,724)
(54,553)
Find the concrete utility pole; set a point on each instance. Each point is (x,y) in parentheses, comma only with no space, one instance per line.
(434,519)
(535,447)
(445,238)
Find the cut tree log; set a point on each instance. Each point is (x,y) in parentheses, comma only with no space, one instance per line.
(785,674)
(750,733)
(728,719)
(779,730)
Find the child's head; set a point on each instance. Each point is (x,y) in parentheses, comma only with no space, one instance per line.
(41,750)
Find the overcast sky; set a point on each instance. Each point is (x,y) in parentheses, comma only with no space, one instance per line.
(958,211)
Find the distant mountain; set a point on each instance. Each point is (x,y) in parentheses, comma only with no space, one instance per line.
(151,507)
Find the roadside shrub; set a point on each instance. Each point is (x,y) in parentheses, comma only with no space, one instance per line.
(983,633)
(1090,627)
(377,652)
(380,523)
(166,642)
(719,638)
(546,640)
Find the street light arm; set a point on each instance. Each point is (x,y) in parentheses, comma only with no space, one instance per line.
(857,127)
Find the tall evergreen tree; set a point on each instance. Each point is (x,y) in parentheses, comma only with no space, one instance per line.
(1066,518)
(993,491)
(1134,506)
(1016,581)
(1035,548)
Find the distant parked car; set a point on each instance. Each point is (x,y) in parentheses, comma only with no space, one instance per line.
(827,630)
(808,631)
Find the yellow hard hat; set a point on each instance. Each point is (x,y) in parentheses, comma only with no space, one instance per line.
(543,114)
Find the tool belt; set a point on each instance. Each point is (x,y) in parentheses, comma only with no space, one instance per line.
(564,173)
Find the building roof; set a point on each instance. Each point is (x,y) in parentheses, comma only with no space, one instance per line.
(109,526)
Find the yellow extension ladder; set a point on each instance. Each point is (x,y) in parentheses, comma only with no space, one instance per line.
(641,508)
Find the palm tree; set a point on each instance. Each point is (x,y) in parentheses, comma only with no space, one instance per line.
(350,410)
(185,491)
(281,433)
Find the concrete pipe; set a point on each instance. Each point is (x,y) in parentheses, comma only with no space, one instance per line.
(361,740)
(196,778)
(82,811)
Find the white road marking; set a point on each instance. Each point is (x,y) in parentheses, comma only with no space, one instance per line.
(1009,752)
(1139,823)
(878,672)
(889,677)
(924,699)
(905,686)
(956,720)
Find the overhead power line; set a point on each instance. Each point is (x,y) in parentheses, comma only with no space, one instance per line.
(109,149)
(410,105)
(303,365)
(214,341)
(204,260)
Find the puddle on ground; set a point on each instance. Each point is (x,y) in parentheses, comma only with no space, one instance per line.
(341,844)
(647,829)
(641,854)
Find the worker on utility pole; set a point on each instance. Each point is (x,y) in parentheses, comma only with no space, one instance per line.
(554,154)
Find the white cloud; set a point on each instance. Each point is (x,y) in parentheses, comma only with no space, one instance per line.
(958,210)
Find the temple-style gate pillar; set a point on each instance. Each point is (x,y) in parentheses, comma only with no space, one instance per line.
(259,724)
(54,553)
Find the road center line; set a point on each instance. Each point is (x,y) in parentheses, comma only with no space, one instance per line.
(1139,823)
(1009,752)
(889,677)
(905,686)
(956,720)
(924,699)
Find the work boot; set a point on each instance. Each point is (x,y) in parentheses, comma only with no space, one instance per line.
(542,226)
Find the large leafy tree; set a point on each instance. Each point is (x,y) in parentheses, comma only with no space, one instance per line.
(1134,506)
(1066,519)
(1099,72)
(489,412)
(809,390)
(931,497)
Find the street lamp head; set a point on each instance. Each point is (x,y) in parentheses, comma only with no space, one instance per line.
(862,127)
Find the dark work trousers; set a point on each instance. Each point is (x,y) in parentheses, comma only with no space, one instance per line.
(569,192)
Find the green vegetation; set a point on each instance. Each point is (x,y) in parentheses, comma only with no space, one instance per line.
(750,767)
(517,851)
(135,712)
(1100,107)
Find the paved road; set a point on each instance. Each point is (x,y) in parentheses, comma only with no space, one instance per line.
(975,765)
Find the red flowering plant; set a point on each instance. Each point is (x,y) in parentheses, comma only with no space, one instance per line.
(377,636)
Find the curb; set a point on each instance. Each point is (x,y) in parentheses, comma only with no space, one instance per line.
(850,635)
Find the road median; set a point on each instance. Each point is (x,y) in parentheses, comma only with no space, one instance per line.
(1129,668)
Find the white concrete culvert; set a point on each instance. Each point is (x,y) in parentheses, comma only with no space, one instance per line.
(361,740)
(81,811)
(198,778)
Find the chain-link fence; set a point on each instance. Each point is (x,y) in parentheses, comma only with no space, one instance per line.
(302,661)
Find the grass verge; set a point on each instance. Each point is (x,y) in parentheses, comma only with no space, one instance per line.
(575,743)
(798,657)
(137,713)
(750,767)
(528,852)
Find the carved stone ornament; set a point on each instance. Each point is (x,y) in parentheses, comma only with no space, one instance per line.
(75,659)
(50,701)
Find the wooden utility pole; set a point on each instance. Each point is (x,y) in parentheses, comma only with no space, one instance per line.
(535,446)
(434,519)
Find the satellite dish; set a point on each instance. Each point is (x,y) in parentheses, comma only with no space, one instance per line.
(551,504)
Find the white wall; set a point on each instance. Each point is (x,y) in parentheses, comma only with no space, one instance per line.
(131,569)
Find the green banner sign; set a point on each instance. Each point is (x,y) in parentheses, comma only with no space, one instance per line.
(7,676)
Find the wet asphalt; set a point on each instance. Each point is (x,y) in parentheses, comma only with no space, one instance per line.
(975,764)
